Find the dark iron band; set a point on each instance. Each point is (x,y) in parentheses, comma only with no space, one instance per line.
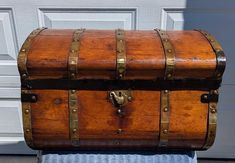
(121,54)
(66,84)
(164,119)
(22,57)
(73,118)
(169,54)
(27,124)
(74,53)
(220,56)
(212,121)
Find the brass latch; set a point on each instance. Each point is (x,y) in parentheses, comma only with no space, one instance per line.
(120,98)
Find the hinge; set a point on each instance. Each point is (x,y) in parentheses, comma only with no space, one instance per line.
(211,97)
(29,97)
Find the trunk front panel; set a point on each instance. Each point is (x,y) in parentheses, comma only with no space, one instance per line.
(99,124)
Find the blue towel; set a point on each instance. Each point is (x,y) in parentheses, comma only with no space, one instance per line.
(117,157)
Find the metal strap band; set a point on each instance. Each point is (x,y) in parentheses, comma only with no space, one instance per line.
(73,118)
(220,56)
(212,120)
(22,57)
(121,54)
(74,53)
(169,53)
(164,119)
(27,125)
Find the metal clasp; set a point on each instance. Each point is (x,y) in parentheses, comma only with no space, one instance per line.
(120,98)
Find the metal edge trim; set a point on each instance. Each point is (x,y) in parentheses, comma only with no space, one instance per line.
(27,123)
(74,53)
(211,122)
(22,57)
(121,54)
(169,52)
(164,119)
(73,118)
(220,56)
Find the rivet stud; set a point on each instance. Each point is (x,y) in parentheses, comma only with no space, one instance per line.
(26,111)
(165,109)
(119,131)
(213,110)
(169,75)
(33,97)
(165,131)
(24,75)
(72,75)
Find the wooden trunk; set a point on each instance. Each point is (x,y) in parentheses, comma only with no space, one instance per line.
(115,89)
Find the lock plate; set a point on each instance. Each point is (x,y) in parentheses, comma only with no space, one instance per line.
(120,98)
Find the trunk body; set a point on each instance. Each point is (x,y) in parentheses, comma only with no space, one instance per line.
(98,107)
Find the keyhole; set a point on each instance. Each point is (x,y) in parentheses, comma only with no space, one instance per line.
(120,94)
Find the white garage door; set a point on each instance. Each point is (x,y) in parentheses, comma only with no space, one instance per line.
(19,18)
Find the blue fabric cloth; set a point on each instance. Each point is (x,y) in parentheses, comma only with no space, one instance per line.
(118,157)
